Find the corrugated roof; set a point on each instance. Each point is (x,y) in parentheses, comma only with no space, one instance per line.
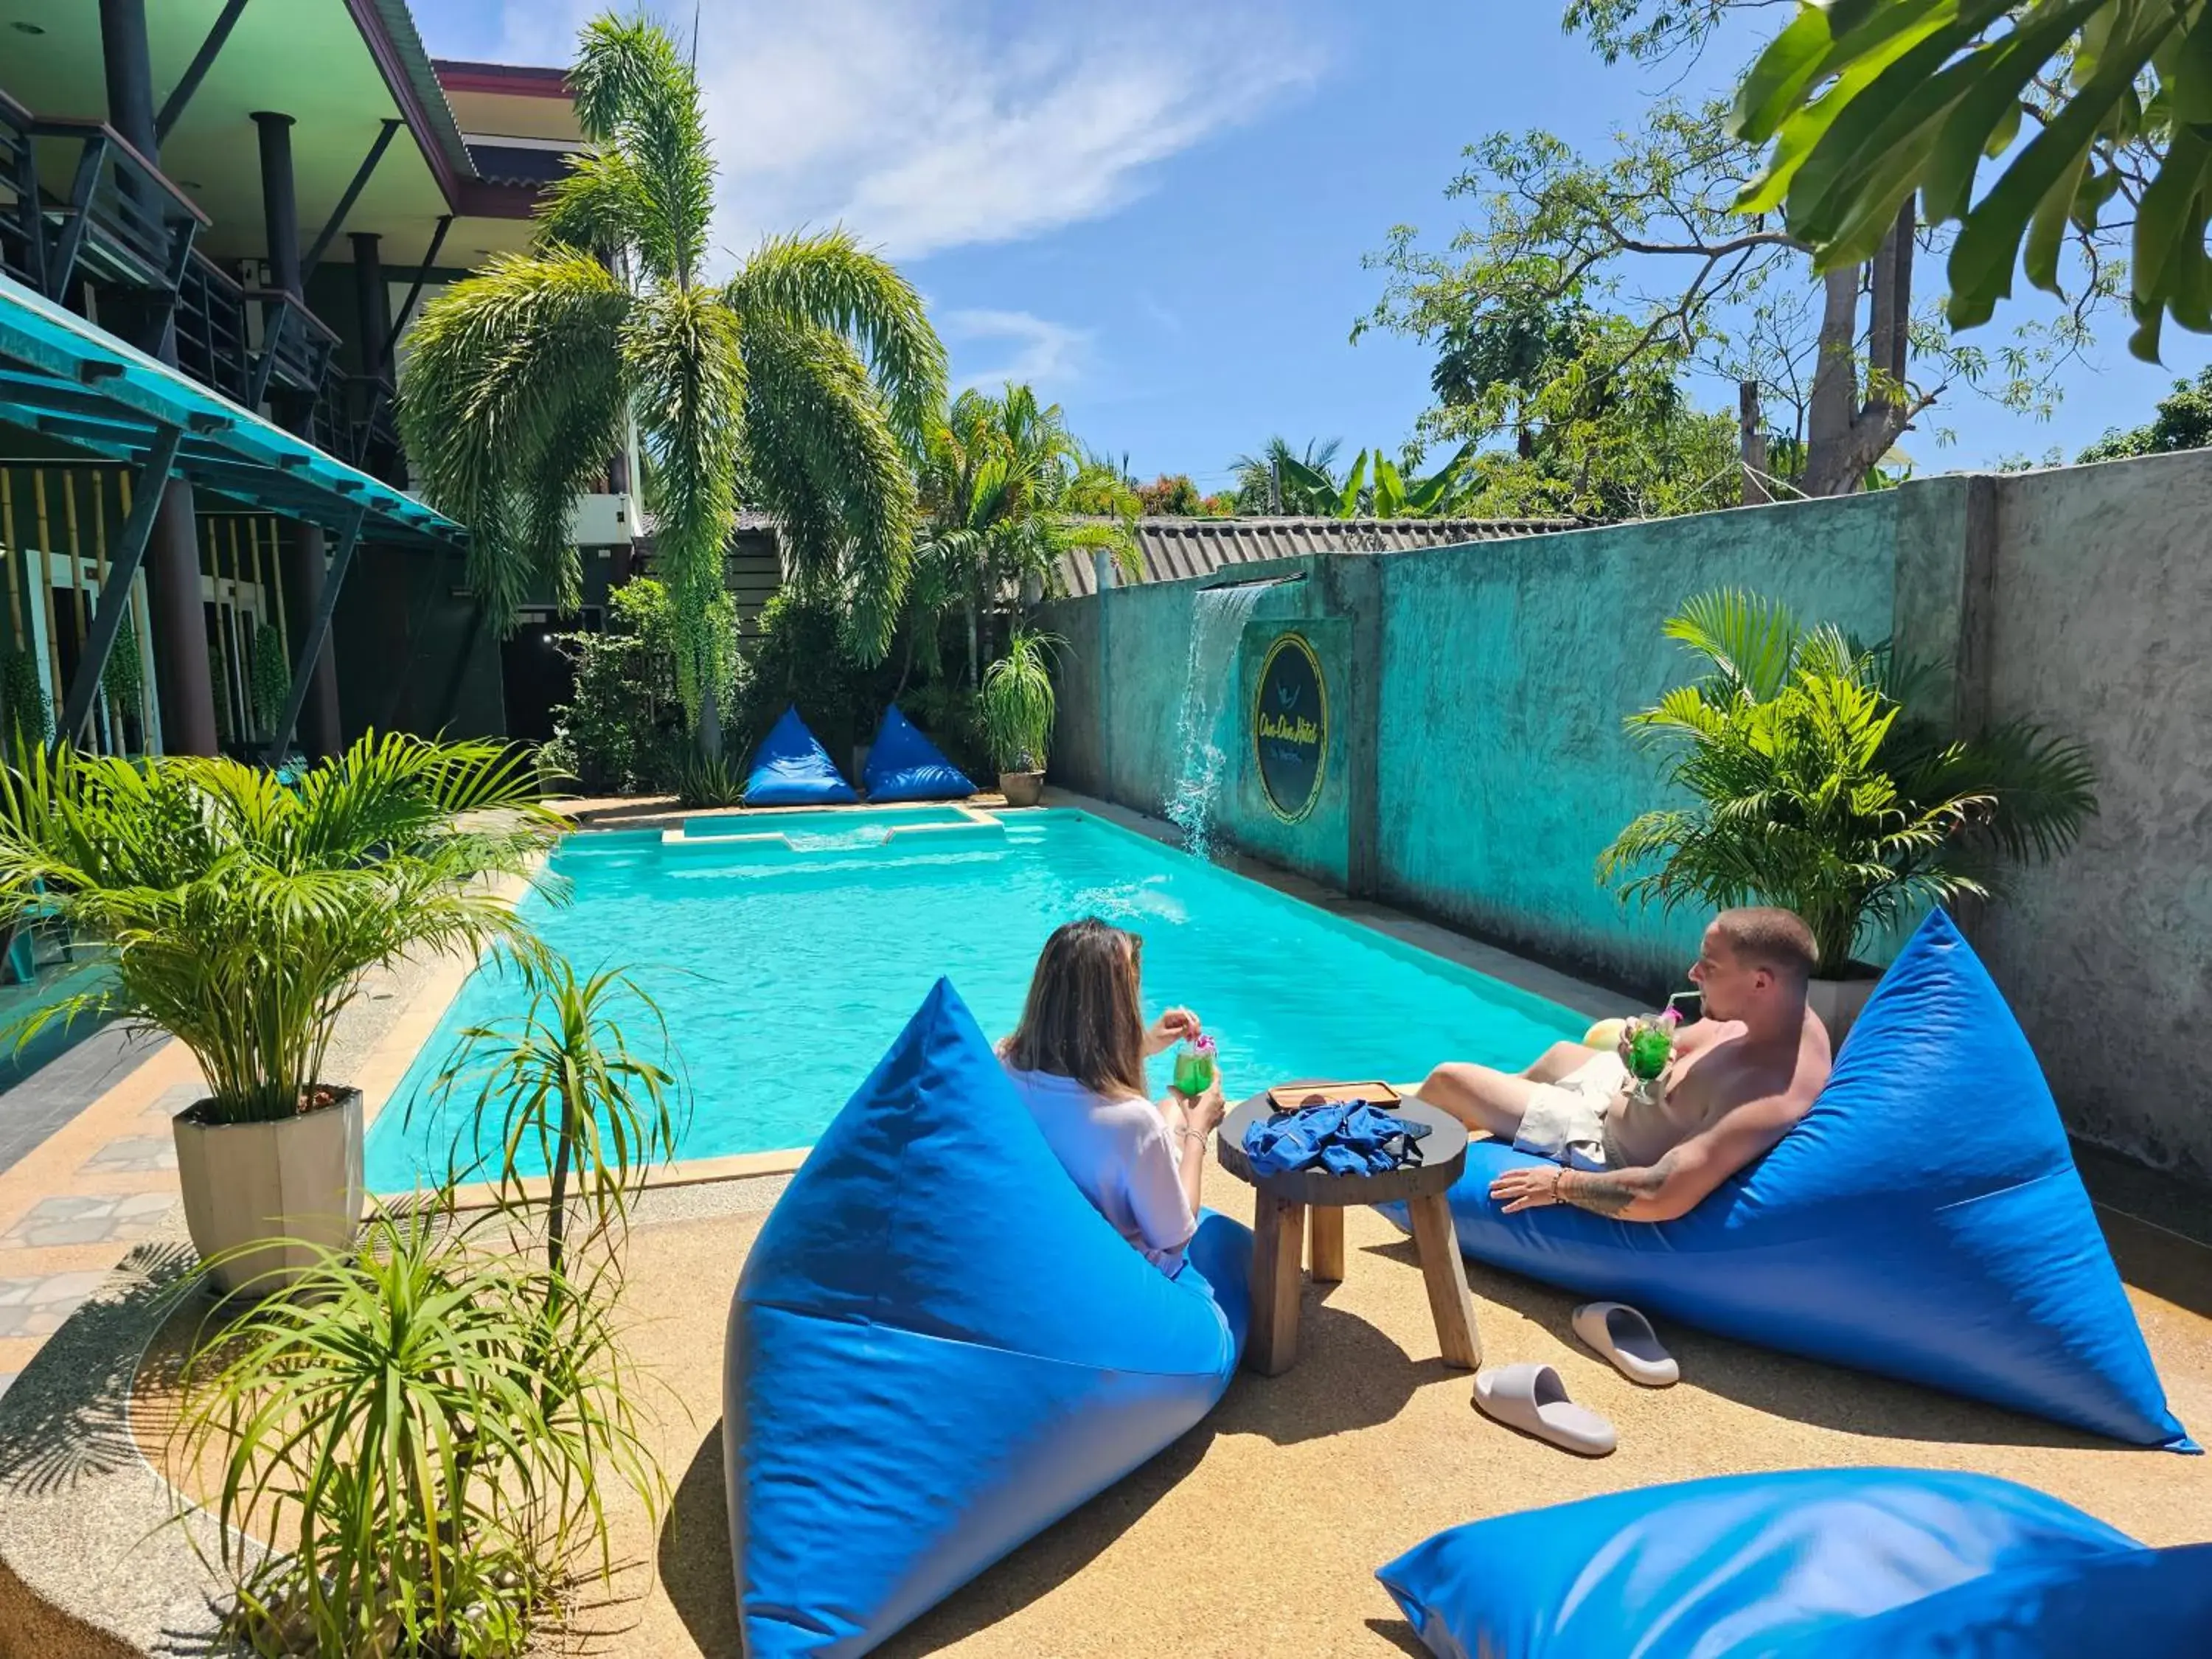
(1169,548)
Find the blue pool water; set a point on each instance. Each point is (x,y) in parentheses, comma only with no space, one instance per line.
(784,976)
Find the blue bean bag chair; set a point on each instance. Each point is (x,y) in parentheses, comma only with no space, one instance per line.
(938,1348)
(1924,1221)
(904,765)
(792,769)
(1816,1564)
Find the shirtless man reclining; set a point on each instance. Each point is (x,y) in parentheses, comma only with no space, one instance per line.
(1741,1076)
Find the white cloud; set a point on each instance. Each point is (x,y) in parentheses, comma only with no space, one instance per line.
(925,125)
(1046,355)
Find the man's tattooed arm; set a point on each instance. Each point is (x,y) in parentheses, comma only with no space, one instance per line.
(1611,1192)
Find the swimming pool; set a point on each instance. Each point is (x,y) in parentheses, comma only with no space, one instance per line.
(784,974)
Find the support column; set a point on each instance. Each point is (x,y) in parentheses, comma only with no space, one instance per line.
(373,314)
(305,564)
(306,555)
(181,681)
(280,207)
(182,688)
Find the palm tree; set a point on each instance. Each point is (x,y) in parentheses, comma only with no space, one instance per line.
(1007,491)
(1281,479)
(801,384)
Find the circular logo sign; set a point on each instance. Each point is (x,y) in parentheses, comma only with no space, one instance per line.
(1289,727)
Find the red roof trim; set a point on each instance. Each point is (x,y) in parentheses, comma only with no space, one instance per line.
(510,79)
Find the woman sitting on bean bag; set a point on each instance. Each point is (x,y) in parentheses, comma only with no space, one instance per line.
(1078,1061)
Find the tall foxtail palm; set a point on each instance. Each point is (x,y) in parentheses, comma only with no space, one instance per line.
(800,384)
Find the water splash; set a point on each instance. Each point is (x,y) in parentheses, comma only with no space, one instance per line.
(1217,623)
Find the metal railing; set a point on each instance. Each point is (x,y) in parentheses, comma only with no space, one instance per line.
(22,254)
(211,335)
(122,221)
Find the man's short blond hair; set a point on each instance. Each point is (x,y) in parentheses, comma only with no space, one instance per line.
(1770,936)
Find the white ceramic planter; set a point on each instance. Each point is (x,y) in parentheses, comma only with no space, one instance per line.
(298,1181)
(1021,788)
(1838,1002)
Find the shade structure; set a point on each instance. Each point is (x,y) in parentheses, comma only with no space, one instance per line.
(1925,1221)
(792,769)
(937,1347)
(905,765)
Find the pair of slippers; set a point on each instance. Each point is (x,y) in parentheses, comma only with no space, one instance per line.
(1531,1398)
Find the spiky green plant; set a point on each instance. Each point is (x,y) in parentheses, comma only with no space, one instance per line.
(240,914)
(1813,783)
(434,1424)
(558,1088)
(1016,705)
(801,384)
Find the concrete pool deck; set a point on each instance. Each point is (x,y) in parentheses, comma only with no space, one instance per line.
(1259,1531)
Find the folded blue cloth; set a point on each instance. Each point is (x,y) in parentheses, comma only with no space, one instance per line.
(1349,1137)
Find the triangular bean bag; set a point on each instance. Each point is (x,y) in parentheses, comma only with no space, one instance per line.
(1924,1221)
(792,769)
(938,1348)
(1805,1563)
(904,765)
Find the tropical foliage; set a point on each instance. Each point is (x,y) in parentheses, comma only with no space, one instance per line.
(23,700)
(239,912)
(440,1419)
(2183,420)
(802,383)
(2092,114)
(1017,706)
(1814,782)
(1308,485)
(622,728)
(1000,480)
(268,677)
(437,1423)
(560,1088)
(1583,288)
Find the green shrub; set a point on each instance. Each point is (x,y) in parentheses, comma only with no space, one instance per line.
(623,729)
(23,700)
(438,1422)
(1812,783)
(269,678)
(1016,706)
(801,658)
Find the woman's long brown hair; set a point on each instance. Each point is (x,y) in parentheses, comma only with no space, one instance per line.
(1085,1017)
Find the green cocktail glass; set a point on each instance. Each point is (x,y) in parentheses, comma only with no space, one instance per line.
(1193,1068)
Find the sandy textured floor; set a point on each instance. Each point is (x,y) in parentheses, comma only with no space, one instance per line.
(1259,1532)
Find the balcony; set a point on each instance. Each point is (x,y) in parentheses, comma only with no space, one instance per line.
(123,223)
(21,240)
(211,332)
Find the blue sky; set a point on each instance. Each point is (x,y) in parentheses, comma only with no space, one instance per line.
(1155,210)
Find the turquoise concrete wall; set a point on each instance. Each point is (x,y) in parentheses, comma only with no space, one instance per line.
(1507,670)
(1480,765)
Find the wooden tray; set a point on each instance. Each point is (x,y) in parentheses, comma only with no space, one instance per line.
(1289,1096)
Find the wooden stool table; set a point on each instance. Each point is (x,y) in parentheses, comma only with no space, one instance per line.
(1282,1204)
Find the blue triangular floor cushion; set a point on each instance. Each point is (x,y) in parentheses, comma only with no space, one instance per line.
(792,769)
(1924,1221)
(1803,1563)
(938,1348)
(904,765)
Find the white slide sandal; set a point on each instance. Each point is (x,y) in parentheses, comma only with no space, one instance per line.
(1531,1398)
(1620,1334)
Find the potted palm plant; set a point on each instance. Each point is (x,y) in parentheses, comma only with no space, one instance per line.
(1813,783)
(240,914)
(1016,708)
